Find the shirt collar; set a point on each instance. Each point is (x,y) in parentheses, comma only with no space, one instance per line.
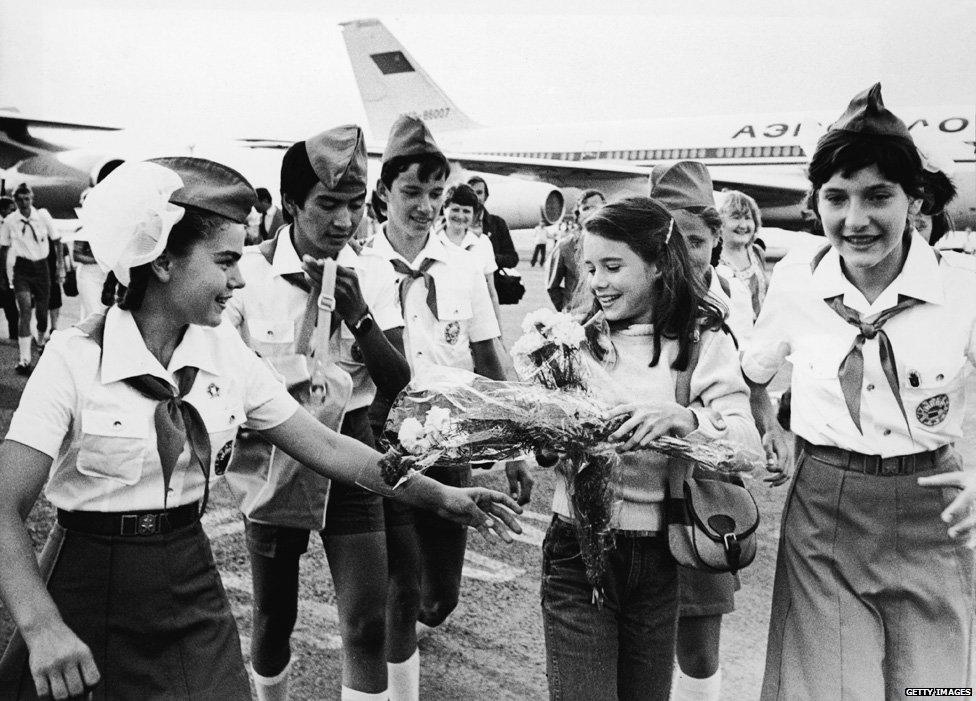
(286,260)
(434,249)
(124,352)
(470,238)
(919,277)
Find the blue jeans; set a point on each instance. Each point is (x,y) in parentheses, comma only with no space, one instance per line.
(624,650)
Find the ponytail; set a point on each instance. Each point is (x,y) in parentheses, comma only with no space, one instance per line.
(127,298)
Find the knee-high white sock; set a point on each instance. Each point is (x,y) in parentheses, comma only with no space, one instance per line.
(272,688)
(403,678)
(353,695)
(690,689)
(24,343)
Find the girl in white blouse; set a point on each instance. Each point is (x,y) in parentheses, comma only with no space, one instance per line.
(123,424)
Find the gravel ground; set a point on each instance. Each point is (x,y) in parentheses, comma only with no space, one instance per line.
(492,646)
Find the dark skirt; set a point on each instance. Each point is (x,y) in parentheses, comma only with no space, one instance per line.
(152,610)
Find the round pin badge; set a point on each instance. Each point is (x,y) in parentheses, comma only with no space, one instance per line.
(452,332)
(933,410)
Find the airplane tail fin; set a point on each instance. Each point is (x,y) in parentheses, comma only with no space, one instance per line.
(392,83)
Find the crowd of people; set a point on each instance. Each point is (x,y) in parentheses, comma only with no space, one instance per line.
(216,345)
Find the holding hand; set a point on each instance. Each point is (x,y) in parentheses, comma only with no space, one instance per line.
(649,421)
(61,664)
(350,304)
(960,513)
(779,455)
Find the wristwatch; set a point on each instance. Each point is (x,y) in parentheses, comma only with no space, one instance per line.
(364,324)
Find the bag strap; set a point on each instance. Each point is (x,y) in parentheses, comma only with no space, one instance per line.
(682,384)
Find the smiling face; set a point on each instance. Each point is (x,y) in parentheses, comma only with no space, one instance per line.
(412,204)
(621,280)
(201,282)
(864,217)
(738,228)
(458,216)
(326,221)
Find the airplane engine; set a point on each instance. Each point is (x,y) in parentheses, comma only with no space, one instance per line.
(521,203)
(58,179)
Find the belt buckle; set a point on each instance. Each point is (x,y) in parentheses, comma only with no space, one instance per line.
(140,524)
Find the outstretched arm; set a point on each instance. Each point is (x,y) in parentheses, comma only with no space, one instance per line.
(347,460)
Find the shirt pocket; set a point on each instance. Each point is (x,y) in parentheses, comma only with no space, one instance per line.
(453,302)
(222,422)
(271,331)
(932,391)
(114,445)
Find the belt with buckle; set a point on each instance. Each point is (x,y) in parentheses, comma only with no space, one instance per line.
(139,523)
(875,464)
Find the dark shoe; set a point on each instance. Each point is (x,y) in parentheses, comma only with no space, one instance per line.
(23,369)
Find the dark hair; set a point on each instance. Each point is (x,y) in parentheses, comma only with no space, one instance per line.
(23,189)
(463,195)
(681,302)
(478,179)
(379,206)
(263,194)
(939,191)
(583,197)
(297,176)
(432,165)
(847,152)
(941,225)
(195,225)
(6,201)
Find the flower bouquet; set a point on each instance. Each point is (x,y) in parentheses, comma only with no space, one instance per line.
(454,418)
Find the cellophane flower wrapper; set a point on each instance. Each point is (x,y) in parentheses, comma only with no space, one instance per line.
(453,418)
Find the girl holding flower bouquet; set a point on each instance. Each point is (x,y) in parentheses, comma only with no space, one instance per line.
(650,312)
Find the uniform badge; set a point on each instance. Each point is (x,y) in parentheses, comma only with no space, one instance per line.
(213,390)
(452,332)
(933,410)
(223,458)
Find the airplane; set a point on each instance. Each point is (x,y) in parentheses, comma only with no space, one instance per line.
(762,155)
(57,174)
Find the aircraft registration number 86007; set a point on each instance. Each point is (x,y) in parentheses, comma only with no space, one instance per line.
(438,113)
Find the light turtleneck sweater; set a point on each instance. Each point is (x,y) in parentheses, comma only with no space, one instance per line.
(717,390)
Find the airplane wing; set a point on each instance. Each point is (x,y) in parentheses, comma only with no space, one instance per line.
(15,119)
(772,192)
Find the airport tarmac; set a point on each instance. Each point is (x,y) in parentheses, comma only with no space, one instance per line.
(492,645)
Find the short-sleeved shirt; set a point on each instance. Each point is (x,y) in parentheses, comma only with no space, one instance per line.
(464,311)
(931,344)
(269,310)
(28,237)
(100,432)
(479,246)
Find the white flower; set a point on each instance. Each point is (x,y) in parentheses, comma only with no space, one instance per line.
(529,343)
(540,320)
(568,333)
(438,421)
(411,436)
